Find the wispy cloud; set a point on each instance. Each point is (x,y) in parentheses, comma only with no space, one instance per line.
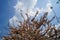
(27,6)
(47,7)
(23,5)
(57,26)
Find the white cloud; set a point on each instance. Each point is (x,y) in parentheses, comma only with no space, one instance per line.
(13,20)
(57,26)
(33,12)
(47,7)
(25,5)
(18,6)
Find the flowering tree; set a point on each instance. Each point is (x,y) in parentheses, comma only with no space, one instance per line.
(30,29)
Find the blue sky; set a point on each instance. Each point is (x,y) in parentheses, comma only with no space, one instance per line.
(7,12)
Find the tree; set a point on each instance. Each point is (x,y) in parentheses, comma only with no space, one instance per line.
(30,29)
